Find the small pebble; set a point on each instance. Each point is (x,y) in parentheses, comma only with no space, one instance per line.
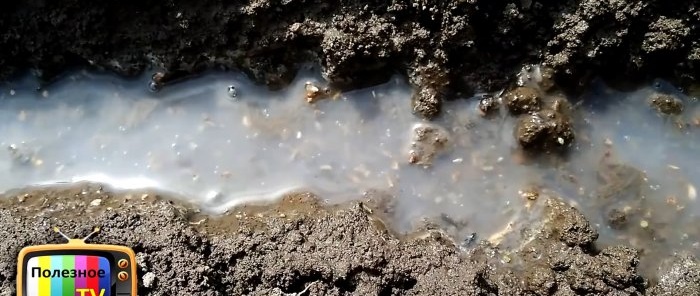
(154,86)
(506,259)
(148,279)
(96,202)
(232,92)
(156,82)
(644,224)
(313,93)
(692,193)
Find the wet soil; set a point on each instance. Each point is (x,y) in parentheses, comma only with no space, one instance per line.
(541,128)
(443,46)
(301,246)
(522,100)
(666,104)
(427,143)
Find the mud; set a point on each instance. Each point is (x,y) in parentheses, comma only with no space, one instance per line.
(443,47)
(301,246)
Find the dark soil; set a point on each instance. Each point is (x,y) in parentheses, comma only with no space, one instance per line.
(443,46)
(299,245)
(549,129)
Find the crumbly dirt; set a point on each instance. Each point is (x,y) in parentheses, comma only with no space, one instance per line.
(680,276)
(301,245)
(442,46)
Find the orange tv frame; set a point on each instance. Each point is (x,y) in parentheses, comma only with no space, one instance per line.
(76,268)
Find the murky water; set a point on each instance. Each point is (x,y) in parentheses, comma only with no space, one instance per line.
(197,141)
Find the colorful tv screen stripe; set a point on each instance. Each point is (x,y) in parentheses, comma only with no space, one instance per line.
(68,275)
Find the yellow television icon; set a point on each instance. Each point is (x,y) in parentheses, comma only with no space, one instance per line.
(76,268)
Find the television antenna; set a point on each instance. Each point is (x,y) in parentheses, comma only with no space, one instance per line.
(75,240)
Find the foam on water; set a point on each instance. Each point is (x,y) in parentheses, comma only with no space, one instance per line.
(196,141)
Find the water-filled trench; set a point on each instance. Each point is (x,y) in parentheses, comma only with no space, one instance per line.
(631,169)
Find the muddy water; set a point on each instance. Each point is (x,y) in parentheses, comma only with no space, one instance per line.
(636,169)
(632,170)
